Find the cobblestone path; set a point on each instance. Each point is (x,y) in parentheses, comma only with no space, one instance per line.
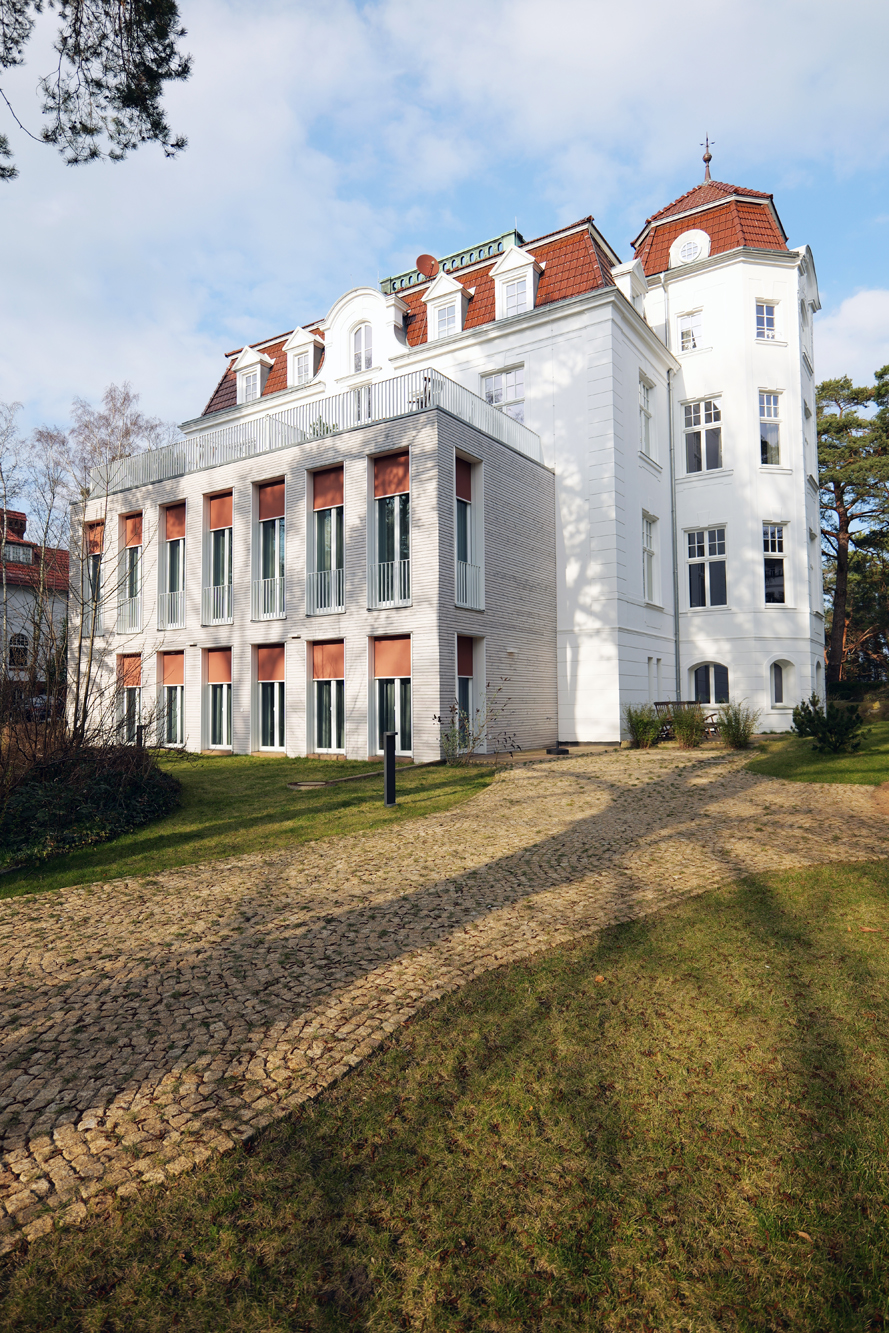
(147,1024)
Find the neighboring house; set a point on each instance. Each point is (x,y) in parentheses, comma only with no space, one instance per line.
(528,461)
(33,605)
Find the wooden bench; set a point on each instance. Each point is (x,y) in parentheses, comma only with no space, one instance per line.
(667,707)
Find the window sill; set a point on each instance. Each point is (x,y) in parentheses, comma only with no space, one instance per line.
(770,342)
(693,351)
(709,472)
(776,468)
(704,610)
(653,606)
(358,377)
(647,458)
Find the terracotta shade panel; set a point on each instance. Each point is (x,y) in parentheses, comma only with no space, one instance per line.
(327,488)
(134,529)
(392,474)
(175,522)
(129,670)
(464,480)
(221,511)
(271,501)
(270,662)
(329,660)
(464,655)
(173,668)
(219,666)
(95,538)
(392,657)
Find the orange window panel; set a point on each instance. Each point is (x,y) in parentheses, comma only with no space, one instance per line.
(270,662)
(173,668)
(129,670)
(271,500)
(174,519)
(221,511)
(133,527)
(329,660)
(392,657)
(392,474)
(219,666)
(327,488)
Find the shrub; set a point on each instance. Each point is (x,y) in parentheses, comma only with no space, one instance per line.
(833,731)
(643,724)
(689,726)
(737,723)
(81,798)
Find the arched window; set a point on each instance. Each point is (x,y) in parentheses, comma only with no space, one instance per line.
(711,683)
(777,683)
(363,347)
(18,651)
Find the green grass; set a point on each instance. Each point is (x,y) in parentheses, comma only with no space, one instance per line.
(236,804)
(791,757)
(629,1134)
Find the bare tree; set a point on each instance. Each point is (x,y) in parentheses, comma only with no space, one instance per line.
(100,436)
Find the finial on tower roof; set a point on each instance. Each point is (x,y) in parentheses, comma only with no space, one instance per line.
(708,156)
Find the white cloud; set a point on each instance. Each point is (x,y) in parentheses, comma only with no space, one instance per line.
(853,340)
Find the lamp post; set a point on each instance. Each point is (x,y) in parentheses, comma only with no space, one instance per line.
(389,767)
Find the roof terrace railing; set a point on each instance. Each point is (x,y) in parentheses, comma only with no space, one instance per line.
(384,400)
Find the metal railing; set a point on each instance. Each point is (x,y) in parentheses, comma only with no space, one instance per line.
(268,599)
(171,610)
(216,605)
(389,584)
(325,591)
(129,615)
(469,586)
(383,400)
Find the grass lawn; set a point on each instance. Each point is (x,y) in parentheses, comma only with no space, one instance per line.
(791,757)
(236,804)
(681,1125)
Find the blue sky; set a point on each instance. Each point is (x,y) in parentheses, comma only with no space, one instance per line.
(329,145)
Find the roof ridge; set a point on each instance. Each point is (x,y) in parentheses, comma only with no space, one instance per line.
(721,187)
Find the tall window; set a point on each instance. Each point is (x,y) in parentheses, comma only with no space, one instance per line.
(268,589)
(219,686)
(777,683)
(773,548)
(95,538)
(765,321)
(18,651)
(769,429)
(218,595)
(328,669)
(645,416)
(302,365)
(173,678)
(706,568)
(507,391)
(392,672)
(270,681)
(690,332)
(362,348)
(129,606)
(515,296)
(703,435)
(465,691)
(129,681)
(446,322)
(648,537)
(251,386)
(325,579)
(711,684)
(171,606)
(390,583)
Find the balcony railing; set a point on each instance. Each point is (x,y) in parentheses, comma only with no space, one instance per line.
(389,584)
(216,605)
(469,586)
(129,615)
(268,599)
(383,400)
(325,591)
(171,610)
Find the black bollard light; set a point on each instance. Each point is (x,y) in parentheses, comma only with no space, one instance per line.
(389,767)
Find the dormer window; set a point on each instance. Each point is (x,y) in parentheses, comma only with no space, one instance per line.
(302,370)
(303,350)
(362,347)
(516,275)
(516,294)
(447,320)
(690,247)
(446,301)
(250,387)
(251,371)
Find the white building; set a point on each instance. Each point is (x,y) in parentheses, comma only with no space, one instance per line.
(671,399)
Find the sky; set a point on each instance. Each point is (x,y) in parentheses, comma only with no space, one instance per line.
(331,144)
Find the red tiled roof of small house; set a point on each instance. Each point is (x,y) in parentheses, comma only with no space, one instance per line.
(18,574)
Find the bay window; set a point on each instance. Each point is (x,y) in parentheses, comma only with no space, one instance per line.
(328,682)
(706,569)
(325,581)
(219,697)
(390,579)
(392,687)
(270,685)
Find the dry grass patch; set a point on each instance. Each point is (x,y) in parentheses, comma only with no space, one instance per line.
(681,1125)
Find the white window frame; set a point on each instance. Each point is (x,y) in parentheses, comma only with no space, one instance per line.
(127,693)
(766,321)
(773,548)
(515,295)
(446,321)
(650,571)
(702,417)
(505,390)
(279,719)
(646,416)
(361,347)
(180,715)
(769,415)
(690,331)
(225,744)
(374,712)
(337,714)
(707,552)
(303,370)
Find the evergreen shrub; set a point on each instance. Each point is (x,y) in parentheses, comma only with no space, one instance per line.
(833,731)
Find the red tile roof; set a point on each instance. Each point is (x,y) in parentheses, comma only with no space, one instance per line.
(576,263)
(55,569)
(731,217)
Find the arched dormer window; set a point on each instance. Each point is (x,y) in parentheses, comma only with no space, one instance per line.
(690,247)
(362,347)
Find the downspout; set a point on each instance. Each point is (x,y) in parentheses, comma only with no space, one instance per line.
(676,652)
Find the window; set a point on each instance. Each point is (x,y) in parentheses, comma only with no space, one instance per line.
(171,604)
(390,577)
(689,251)
(648,536)
(769,441)
(765,321)
(129,606)
(773,547)
(173,698)
(645,416)
(515,297)
(706,569)
(703,447)
(270,681)
(690,332)
(446,320)
(507,391)
(392,668)
(362,348)
(250,386)
(711,684)
(302,368)
(325,580)
(129,682)
(219,687)
(328,669)
(217,600)
(268,588)
(777,683)
(18,651)
(18,555)
(465,686)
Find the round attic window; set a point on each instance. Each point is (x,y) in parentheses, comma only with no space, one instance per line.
(689,251)
(691,246)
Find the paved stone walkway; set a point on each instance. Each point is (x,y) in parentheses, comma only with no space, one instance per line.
(147,1024)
